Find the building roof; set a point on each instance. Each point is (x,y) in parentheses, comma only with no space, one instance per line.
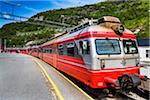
(144,42)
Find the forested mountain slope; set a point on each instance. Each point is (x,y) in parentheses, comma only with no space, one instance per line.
(134,15)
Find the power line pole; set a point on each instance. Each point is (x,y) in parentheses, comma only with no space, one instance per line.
(0,45)
(5,44)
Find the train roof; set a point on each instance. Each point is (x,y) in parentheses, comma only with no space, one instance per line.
(103,24)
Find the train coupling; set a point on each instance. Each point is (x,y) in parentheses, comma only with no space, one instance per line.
(124,83)
(144,78)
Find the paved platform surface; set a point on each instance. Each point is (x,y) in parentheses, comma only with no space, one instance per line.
(145,71)
(68,90)
(20,79)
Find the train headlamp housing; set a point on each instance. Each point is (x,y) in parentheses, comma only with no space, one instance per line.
(137,62)
(102,63)
(112,22)
(118,28)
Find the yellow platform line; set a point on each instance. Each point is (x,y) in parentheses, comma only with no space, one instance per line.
(50,80)
(90,98)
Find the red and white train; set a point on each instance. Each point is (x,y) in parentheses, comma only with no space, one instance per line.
(99,53)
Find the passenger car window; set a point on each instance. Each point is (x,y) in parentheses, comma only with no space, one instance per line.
(87,50)
(60,49)
(70,49)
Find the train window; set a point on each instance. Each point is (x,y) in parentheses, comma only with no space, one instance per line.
(43,50)
(70,49)
(60,49)
(35,50)
(46,50)
(87,50)
(76,51)
(70,45)
(130,47)
(84,47)
(107,46)
(39,50)
(147,53)
(50,50)
(81,47)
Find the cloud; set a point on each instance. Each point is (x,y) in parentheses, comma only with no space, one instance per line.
(72,3)
(60,4)
(31,9)
(5,15)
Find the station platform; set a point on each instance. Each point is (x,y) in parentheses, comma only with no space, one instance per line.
(20,79)
(65,89)
(23,77)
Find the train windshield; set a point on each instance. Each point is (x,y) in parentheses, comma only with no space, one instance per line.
(130,47)
(107,46)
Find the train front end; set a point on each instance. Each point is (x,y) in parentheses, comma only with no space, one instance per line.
(115,57)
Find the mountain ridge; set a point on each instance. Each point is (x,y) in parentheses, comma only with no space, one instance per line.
(133,14)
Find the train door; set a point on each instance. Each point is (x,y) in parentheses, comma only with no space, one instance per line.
(41,53)
(55,55)
(84,51)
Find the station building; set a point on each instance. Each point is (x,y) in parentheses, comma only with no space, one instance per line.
(144,50)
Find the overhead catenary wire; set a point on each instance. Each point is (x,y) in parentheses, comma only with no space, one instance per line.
(34,23)
(22,18)
(27,18)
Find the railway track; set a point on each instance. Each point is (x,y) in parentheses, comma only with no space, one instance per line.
(138,95)
(133,96)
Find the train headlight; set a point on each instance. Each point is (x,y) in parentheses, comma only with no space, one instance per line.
(102,64)
(100,84)
(137,62)
(118,28)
